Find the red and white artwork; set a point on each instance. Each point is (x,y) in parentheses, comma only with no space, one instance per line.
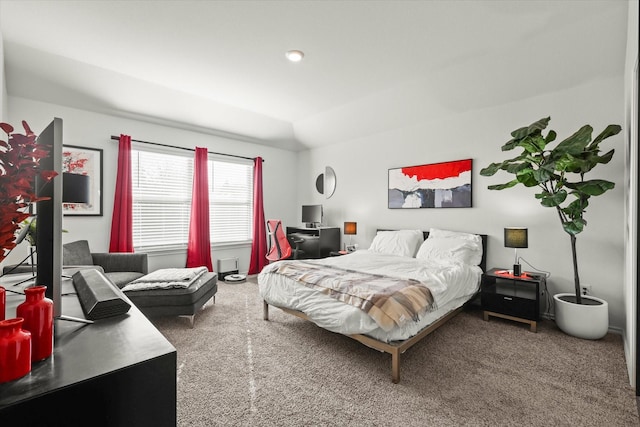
(437,185)
(84,161)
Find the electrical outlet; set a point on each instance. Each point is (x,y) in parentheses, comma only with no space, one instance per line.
(586,289)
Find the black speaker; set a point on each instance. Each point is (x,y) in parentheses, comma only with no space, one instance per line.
(98,296)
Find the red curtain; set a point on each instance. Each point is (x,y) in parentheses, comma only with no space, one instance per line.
(122,219)
(259,245)
(199,246)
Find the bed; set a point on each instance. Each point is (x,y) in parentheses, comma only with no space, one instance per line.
(341,294)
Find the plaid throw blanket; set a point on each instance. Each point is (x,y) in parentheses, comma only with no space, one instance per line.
(389,301)
(166,278)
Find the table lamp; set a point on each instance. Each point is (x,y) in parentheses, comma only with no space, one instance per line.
(516,237)
(350,228)
(75,188)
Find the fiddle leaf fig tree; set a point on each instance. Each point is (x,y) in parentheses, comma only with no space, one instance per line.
(559,173)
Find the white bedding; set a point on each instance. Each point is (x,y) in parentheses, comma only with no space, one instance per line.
(451,284)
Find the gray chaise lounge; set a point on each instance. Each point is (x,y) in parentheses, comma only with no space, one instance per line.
(177,301)
(120,268)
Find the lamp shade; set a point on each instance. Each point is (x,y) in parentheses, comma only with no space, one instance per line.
(516,237)
(350,228)
(75,188)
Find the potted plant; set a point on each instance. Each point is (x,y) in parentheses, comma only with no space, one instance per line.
(559,173)
(29,228)
(19,164)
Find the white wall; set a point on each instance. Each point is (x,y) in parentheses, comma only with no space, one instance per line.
(3,83)
(361,195)
(94,130)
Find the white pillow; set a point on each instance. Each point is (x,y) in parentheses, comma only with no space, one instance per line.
(435,232)
(399,242)
(442,245)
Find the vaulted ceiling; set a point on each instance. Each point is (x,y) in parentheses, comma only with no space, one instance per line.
(369,66)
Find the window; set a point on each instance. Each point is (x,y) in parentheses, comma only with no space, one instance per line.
(162,184)
(230,201)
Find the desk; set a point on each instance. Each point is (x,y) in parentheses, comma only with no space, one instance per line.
(318,242)
(119,371)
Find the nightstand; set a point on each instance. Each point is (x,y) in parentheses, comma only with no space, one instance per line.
(512,297)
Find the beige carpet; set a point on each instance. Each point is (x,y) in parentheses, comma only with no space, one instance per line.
(236,369)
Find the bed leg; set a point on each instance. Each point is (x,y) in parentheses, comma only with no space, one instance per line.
(265,310)
(395,366)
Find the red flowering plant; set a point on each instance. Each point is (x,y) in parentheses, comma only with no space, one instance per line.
(19,165)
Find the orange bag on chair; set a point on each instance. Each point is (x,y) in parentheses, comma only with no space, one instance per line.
(279,247)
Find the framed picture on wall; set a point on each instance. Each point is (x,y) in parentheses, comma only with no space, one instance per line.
(88,162)
(436,185)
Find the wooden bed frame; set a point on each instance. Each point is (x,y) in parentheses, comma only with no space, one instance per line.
(395,348)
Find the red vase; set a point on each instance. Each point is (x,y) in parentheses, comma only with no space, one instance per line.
(3,302)
(37,312)
(15,350)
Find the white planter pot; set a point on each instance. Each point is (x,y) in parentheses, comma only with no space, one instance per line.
(589,322)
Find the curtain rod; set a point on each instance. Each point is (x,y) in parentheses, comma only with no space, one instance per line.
(117,138)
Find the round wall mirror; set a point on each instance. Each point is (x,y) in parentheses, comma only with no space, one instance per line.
(329,182)
(320,183)
(326,182)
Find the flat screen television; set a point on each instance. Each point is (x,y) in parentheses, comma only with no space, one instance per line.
(312,215)
(49,217)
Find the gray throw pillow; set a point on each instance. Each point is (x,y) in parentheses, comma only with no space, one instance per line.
(76,253)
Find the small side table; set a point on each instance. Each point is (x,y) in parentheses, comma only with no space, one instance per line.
(512,297)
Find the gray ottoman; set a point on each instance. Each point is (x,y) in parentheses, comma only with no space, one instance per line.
(176,301)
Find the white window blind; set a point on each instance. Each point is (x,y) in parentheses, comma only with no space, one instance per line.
(162,185)
(230,201)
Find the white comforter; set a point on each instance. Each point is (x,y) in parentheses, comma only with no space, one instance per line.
(451,285)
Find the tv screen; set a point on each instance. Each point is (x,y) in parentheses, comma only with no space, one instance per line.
(49,216)
(312,214)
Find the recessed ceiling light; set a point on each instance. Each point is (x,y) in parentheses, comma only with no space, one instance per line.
(295,55)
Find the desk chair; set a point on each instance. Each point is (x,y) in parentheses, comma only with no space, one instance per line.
(296,240)
(279,247)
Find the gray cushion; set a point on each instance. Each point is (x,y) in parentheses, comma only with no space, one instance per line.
(121,261)
(77,253)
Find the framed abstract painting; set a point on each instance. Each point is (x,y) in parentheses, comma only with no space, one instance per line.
(84,161)
(436,185)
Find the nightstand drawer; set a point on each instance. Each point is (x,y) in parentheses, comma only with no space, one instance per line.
(511,305)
